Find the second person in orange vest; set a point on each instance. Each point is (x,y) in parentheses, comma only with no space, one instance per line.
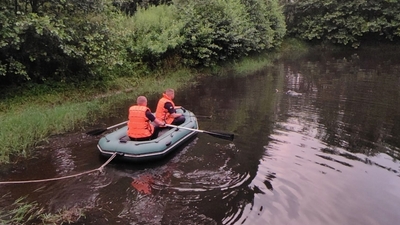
(139,126)
(166,109)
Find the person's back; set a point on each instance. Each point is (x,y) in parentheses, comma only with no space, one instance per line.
(139,126)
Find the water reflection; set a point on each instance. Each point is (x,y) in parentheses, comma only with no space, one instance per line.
(330,150)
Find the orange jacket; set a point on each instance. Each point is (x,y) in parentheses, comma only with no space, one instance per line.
(139,125)
(161,112)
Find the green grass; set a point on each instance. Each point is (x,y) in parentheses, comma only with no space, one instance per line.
(22,129)
(251,65)
(23,212)
(20,212)
(293,48)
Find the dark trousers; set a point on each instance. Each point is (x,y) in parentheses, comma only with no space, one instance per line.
(178,120)
(153,136)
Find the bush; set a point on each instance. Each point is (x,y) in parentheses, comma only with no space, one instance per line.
(156,34)
(56,42)
(218,30)
(343,22)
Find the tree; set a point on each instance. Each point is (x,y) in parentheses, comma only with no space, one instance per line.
(343,22)
(55,41)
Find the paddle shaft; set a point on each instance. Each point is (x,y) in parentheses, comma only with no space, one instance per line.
(185,128)
(99,131)
(214,134)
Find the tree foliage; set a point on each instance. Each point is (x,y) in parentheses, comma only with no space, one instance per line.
(54,41)
(268,21)
(216,30)
(131,6)
(72,41)
(344,22)
(156,34)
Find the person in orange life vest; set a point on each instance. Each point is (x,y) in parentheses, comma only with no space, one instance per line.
(166,109)
(139,126)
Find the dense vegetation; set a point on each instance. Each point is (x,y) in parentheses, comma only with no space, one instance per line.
(73,43)
(58,42)
(344,22)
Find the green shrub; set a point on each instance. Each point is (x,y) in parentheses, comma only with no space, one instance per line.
(218,30)
(156,34)
(344,22)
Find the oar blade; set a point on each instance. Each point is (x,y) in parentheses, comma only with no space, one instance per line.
(221,135)
(96,132)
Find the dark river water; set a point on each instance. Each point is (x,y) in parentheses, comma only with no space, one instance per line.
(326,152)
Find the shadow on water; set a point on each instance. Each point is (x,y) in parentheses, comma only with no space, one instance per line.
(316,142)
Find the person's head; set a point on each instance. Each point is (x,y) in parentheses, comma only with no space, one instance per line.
(141,100)
(170,93)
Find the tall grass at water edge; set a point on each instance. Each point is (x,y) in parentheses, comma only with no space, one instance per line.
(23,129)
(21,212)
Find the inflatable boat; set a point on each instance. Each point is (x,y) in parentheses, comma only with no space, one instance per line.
(168,140)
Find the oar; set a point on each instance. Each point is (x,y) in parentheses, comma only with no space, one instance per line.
(214,134)
(101,130)
(184,110)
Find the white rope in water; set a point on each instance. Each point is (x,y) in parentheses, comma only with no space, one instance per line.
(61,178)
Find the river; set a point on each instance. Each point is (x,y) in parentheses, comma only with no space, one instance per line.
(317,141)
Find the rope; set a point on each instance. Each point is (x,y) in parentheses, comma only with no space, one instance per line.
(61,178)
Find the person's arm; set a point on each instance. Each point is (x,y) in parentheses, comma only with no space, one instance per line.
(171,110)
(159,122)
(180,107)
(152,118)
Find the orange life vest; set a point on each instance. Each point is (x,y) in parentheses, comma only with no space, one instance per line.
(139,125)
(161,112)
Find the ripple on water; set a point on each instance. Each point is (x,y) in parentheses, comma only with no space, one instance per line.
(205,180)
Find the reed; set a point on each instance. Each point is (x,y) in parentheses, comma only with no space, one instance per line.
(251,65)
(20,212)
(23,129)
